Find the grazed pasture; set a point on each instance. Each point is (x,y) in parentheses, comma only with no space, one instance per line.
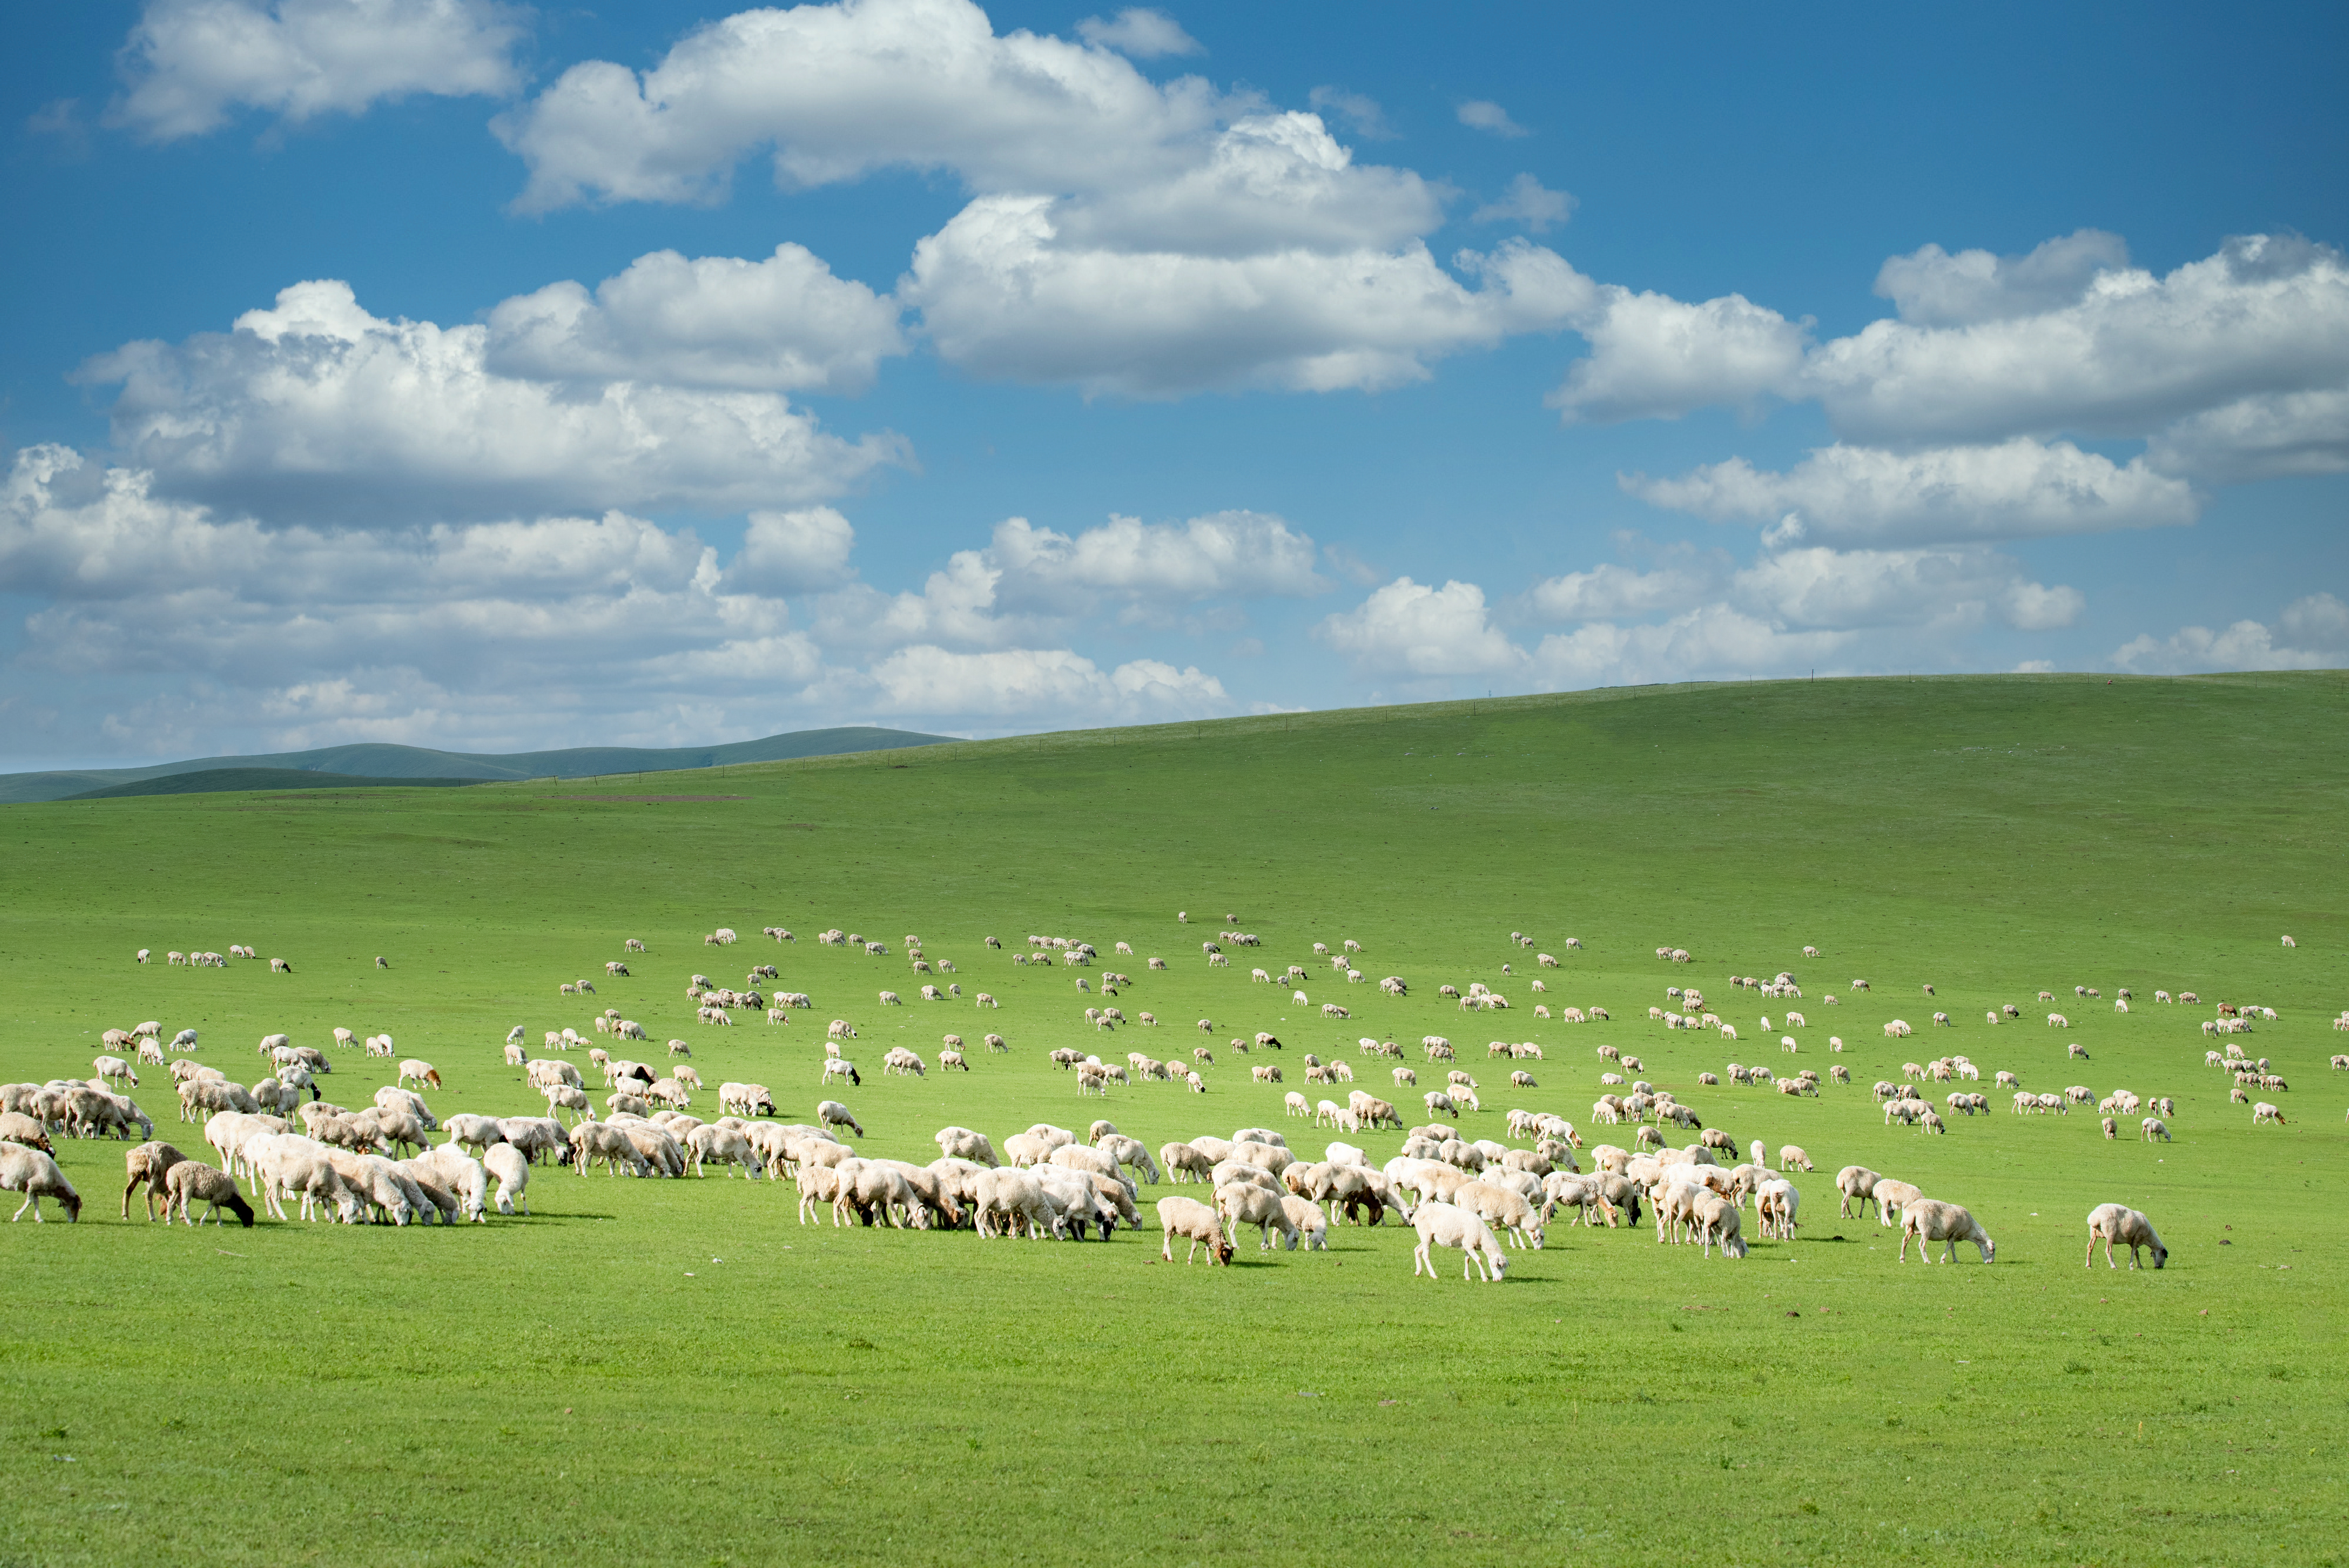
(680,1370)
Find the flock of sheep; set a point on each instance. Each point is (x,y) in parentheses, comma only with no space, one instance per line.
(1481,1196)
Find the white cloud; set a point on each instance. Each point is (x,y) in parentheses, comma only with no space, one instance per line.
(1413,629)
(1527,202)
(2245,644)
(1483,114)
(840,90)
(1002,297)
(1361,112)
(2320,620)
(1653,357)
(189,62)
(2261,437)
(1609,592)
(1140,33)
(316,409)
(1924,591)
(1247,555)
(1709,641)
(1057,681)
(1863,495)
(1032,583)
(2267,315)
(784,323)
(792,553)
(1919,590)
(1931,288)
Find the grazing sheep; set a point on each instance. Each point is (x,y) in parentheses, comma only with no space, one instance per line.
(1441,1224)
(1197,1225)
(35,1175)
(1245,1203)
(412,1070)
(962,1143)
(2111,1222)
(147,1166)
(1930,1220)
(2264,1112)
(832,1113)
(1858,1185)
(192,1182)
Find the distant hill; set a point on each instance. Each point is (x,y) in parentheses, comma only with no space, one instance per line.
(417,764)
(214,781)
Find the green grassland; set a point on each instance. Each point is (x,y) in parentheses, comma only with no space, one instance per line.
(680,1372)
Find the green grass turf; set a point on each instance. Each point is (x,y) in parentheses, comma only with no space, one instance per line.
(680,1372)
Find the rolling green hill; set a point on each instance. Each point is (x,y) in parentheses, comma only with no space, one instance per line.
(375,760)
(221,781)
(641,1367)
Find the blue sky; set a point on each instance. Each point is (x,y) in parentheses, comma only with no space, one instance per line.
(489,376)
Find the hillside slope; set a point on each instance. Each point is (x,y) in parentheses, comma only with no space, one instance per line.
(373,759)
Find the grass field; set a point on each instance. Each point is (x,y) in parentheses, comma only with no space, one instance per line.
(680,1372)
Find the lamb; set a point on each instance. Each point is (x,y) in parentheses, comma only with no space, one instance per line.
(1197,1224)
(1441,1224)
(1930,1220)
(413,1070)
(2264,1112)
(2111,1222)
(832,1113)
(191,1181)
(2151,1128)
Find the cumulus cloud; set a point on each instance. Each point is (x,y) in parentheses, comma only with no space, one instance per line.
(188,63)
(1528,202)
(2267,315)
(1016,681)
(1140,33)
(1126,237)
(839,91)
(1483,114)
(2312,633)
(1032,583)
(1001,296)
(2262,437)
(1923,590)
(783,324)
(1654,357)
(1413,629)
(787,552)
(1610,592)
(316,409)
(1843,495)
(1931,288)
(1915,589)
(1709,641)
(2192,649)
(522,632)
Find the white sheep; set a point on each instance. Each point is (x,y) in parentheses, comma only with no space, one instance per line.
(1930,1220)
(1439,1224)
(1197,1224)
(2111,1222)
